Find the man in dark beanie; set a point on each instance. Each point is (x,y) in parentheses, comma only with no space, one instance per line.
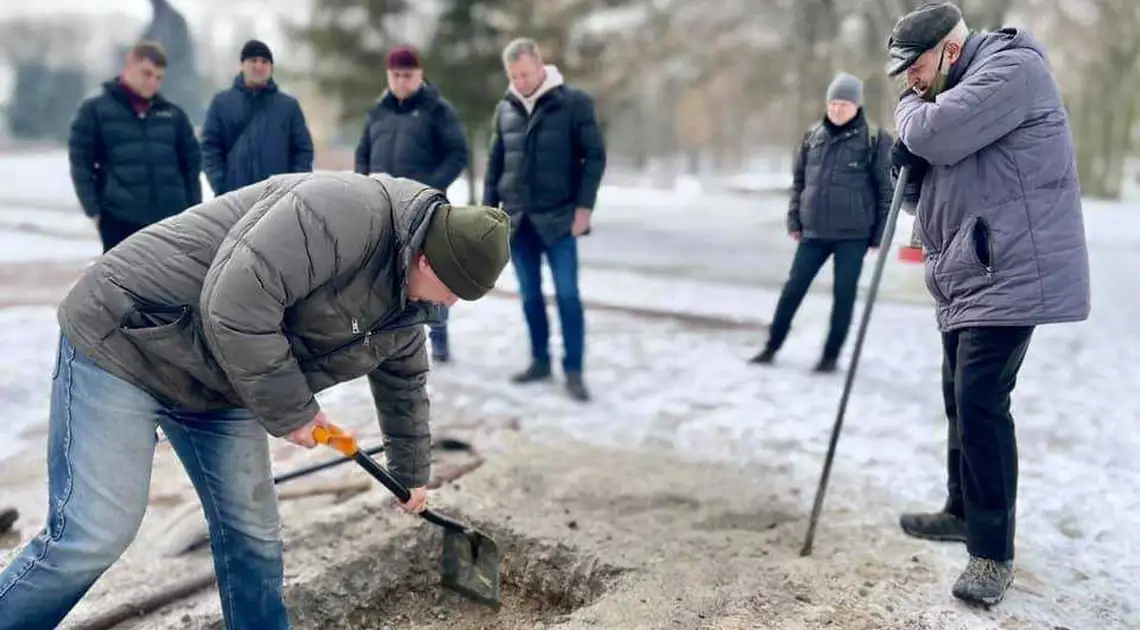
(254,130)
(220,326)
(413,132)
(841,192)
(983,130)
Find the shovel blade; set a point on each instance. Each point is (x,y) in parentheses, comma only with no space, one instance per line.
(470,566)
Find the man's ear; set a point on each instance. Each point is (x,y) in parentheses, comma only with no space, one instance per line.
(953,52)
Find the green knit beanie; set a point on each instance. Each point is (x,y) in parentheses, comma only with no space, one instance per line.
(468,247)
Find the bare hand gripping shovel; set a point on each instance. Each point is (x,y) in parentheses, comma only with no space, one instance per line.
(470,558)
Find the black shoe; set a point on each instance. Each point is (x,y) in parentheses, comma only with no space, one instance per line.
(8,518)
(984,581)
(767,357)
(576,387)
(826,366)
(937,526)
(538,371)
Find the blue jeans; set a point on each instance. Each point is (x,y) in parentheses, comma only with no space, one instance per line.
(101,439)
(527,249)
(438,333)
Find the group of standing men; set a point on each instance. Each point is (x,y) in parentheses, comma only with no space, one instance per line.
(135,160)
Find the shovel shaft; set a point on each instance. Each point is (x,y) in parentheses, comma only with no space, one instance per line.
(336,438)
(402,493)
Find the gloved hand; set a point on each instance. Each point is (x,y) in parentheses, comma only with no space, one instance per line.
(901,156)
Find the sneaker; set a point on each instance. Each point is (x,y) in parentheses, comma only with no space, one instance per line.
(576,387)
(984,581)
(826,366)
(537,371)
(937,526)
(767,357)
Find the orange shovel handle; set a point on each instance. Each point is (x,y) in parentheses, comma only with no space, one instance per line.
(335,437)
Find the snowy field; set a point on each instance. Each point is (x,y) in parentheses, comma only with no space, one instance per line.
(664,385)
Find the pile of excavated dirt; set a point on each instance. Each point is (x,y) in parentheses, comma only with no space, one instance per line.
(594,538)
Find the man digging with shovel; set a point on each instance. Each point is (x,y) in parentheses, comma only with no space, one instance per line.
(219,325)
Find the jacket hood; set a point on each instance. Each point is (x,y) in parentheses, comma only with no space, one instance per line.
(980,45)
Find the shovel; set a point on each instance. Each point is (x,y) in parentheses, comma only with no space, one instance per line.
(470,558)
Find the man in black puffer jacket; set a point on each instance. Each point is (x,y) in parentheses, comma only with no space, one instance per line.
(546,164)
(134,158)
(841,193)
(413,132)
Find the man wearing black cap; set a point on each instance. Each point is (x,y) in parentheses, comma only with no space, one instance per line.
(221,325)
(982,126)
(254,130)
(841,193)
(413,132)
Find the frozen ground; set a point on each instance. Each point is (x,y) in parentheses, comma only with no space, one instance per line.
(693,472)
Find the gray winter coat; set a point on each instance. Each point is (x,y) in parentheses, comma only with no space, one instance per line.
(264,296)
(999,212)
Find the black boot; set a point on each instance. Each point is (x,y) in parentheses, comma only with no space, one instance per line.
(8,518)
(938,526)
(537,371)
(767,357)
(576,387)
(826,366)
(984,581)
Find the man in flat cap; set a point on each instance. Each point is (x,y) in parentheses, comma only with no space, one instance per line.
(982,127)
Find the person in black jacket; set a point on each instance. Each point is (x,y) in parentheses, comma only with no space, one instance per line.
(413,132)
(134,158)
(841,193)
(253,130)
(546,164)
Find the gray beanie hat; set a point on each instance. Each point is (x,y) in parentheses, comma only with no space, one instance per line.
(846,87)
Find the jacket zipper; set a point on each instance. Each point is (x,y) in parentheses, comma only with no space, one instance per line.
(151,184)
(365,338)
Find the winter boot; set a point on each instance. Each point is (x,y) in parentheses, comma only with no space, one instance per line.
(767,357)
(537,371)
(8,518)
(826,366)
(984,581)
(576,387)
(937,526)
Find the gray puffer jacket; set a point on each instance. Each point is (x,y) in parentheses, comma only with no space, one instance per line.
(999,212)
(264,296)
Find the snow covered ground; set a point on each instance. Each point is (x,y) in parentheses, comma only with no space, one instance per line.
(661,384)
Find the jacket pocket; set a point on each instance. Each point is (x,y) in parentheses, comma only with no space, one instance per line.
(174,335)
(967,263)
(983,244)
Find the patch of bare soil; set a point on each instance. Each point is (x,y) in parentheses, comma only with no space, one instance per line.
(396,585)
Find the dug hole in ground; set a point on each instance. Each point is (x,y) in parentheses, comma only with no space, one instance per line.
(679,497)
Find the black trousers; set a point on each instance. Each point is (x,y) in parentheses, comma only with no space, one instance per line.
(113,230)
(979,372)
(810,257)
